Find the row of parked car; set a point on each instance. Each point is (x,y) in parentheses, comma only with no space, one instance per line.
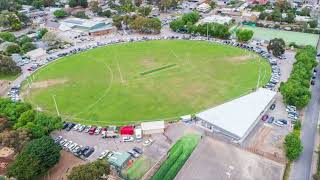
(78,150)
(92,130)
(14,93)
(293,114)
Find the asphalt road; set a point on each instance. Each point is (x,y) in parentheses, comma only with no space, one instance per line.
(301,168)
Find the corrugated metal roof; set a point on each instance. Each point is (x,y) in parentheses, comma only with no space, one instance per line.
(238,115)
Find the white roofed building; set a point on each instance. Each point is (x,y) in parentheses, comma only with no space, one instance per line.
(235,119)
(204,7)
(154,127)
(216,19)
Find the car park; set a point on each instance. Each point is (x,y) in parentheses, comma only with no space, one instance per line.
(88,152)
(103,154)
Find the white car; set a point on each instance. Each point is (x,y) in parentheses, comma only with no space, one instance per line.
(76,127)
(147,142)
(103,154)
(278,123)
(127,139)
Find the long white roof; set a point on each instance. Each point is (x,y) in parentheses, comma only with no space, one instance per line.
(152,125)
(238,115)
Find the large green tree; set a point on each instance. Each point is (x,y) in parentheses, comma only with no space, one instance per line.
(89,171)
(60,13)
(244,35)
(35,159)
(293,146)
(7,36)
(277,46)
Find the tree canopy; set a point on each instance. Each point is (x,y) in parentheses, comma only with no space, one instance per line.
(90,171)
(244,35)
(293,146)
(60,13)
(8,67)
(35,159)
(277,46)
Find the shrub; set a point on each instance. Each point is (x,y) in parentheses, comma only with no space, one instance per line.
(293,146)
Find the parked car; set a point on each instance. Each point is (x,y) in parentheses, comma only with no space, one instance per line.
(87,129)
(270,120)
(138,150)
(278,123)
(97,131)
(110,154)
(313,82)
(128,139)
(88,152)
(264,117)
(133,153)
(92,130)
(103,154)
(147,142)
(273,106)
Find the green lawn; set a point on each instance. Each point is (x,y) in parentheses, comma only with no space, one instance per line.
(288,36)
(177,156)
(8,77)
(139,168)
(108,85)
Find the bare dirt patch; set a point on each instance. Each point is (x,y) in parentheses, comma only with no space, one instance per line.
(4,86)
(63,168)
(48,83)
(241,58)
(148,63)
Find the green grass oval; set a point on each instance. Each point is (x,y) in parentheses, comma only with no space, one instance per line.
(108,85)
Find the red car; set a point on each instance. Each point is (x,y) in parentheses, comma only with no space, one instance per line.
(264,117)
(92,130)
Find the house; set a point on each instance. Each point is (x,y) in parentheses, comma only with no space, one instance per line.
(216,19)
(204,8)
(154,127)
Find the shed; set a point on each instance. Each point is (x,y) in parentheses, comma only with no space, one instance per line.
(126,130)
(119,160)
(154,127)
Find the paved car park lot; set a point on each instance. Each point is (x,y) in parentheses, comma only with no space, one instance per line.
(223,161)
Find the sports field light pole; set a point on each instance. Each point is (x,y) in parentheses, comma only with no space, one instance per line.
(55,103)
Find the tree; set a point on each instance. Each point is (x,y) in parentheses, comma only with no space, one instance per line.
(305,11)
(213,4)
(293,146)
(42,32)
(15,138)
(263,15)
(277,46)
(26,47)
(74,3)
(276,15)
(192,17)
(313,24)
(94,7)
(244,35)
(282,5)
(35,159)
(60,13)
(144,11)
(24,39)
(10,20)
(290,17)
(90,171)
(81,14)
(178,25)
(7,36)
(13,48)
(9,109)
(137,3)
(146,25)
(106,13)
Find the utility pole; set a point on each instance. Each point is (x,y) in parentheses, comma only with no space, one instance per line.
(55,103)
